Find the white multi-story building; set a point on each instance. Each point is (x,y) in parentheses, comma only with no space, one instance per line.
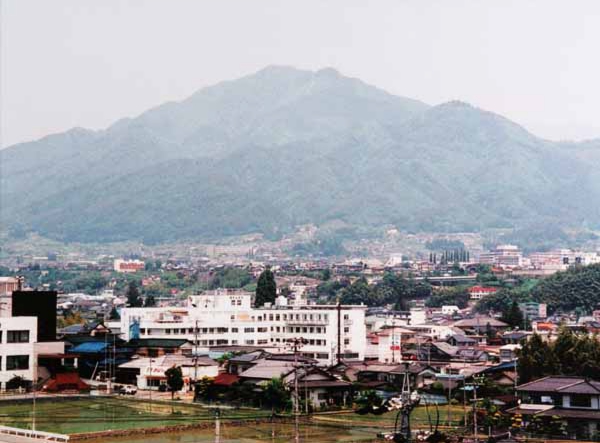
(20,350)
(18,336)
(227,318)
(509,256)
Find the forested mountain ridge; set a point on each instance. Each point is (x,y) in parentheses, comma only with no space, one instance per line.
(285,147)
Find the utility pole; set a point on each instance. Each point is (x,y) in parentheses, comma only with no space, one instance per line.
(34,386)
(339,330)
(449,400)
(297,342)
(196,353)
(217,425)
(475,413)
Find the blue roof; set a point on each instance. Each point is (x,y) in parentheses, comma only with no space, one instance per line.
(89,347)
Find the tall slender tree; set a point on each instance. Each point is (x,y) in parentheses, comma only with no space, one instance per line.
(266,288)
(134,298)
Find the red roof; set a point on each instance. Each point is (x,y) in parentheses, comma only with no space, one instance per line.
(68,381)
(225,379)
(482,289)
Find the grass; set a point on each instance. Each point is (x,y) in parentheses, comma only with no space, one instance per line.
(70,416)
(419,417)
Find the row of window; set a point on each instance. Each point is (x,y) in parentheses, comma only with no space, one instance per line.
(286,317)
(16,336)
(16,362)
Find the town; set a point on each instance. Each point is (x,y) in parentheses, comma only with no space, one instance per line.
(497,344)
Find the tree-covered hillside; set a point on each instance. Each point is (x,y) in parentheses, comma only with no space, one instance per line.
(285,147)
(578,288)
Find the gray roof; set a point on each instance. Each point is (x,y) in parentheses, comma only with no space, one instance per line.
(268,369)
(566,385)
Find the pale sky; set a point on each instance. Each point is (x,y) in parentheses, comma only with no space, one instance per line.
(88,63)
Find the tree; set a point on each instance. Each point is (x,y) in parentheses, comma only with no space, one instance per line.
(134,299)
(149,301)
(174,380)
(489,332)
(266,288)
(114,314)
(275,395)
(513,315)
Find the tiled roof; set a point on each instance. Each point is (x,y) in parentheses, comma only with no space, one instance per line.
(566,385)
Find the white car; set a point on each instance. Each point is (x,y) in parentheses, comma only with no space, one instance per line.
(128,390)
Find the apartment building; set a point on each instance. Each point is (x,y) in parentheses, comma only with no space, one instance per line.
(227,318)
(509,256)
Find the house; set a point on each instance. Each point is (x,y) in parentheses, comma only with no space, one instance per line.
(479,324)
(515,338)
(149,372)
(471,354)
(157,347)
(509,352)
(479,292)
(573,400)
(322,388)
(461,340)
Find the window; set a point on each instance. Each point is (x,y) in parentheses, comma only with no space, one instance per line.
(248,329)
(346,317)
(322,356)
(232,302)
(261,330)
(17,362)
(249,342)
(17,337)
(581,401)
(232,318)
(346,330)
(346,341)
(277,317)
(234,329)
(239,302)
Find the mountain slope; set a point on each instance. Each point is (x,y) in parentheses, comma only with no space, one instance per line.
(285,147)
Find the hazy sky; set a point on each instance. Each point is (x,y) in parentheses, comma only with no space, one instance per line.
(67,63)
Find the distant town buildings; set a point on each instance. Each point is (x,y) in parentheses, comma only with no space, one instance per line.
(128,266)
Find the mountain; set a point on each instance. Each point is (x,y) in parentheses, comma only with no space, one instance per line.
(285,147)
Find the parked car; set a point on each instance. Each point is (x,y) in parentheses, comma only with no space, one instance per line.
(128,390)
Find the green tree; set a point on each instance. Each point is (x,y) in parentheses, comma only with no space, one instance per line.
(174,380)
(266,288)
(535,359)
(275,395)
(149,301)
(513,315)
(114,314)
(134,299)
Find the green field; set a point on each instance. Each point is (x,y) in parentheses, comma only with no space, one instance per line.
(71,416)
(419,417)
